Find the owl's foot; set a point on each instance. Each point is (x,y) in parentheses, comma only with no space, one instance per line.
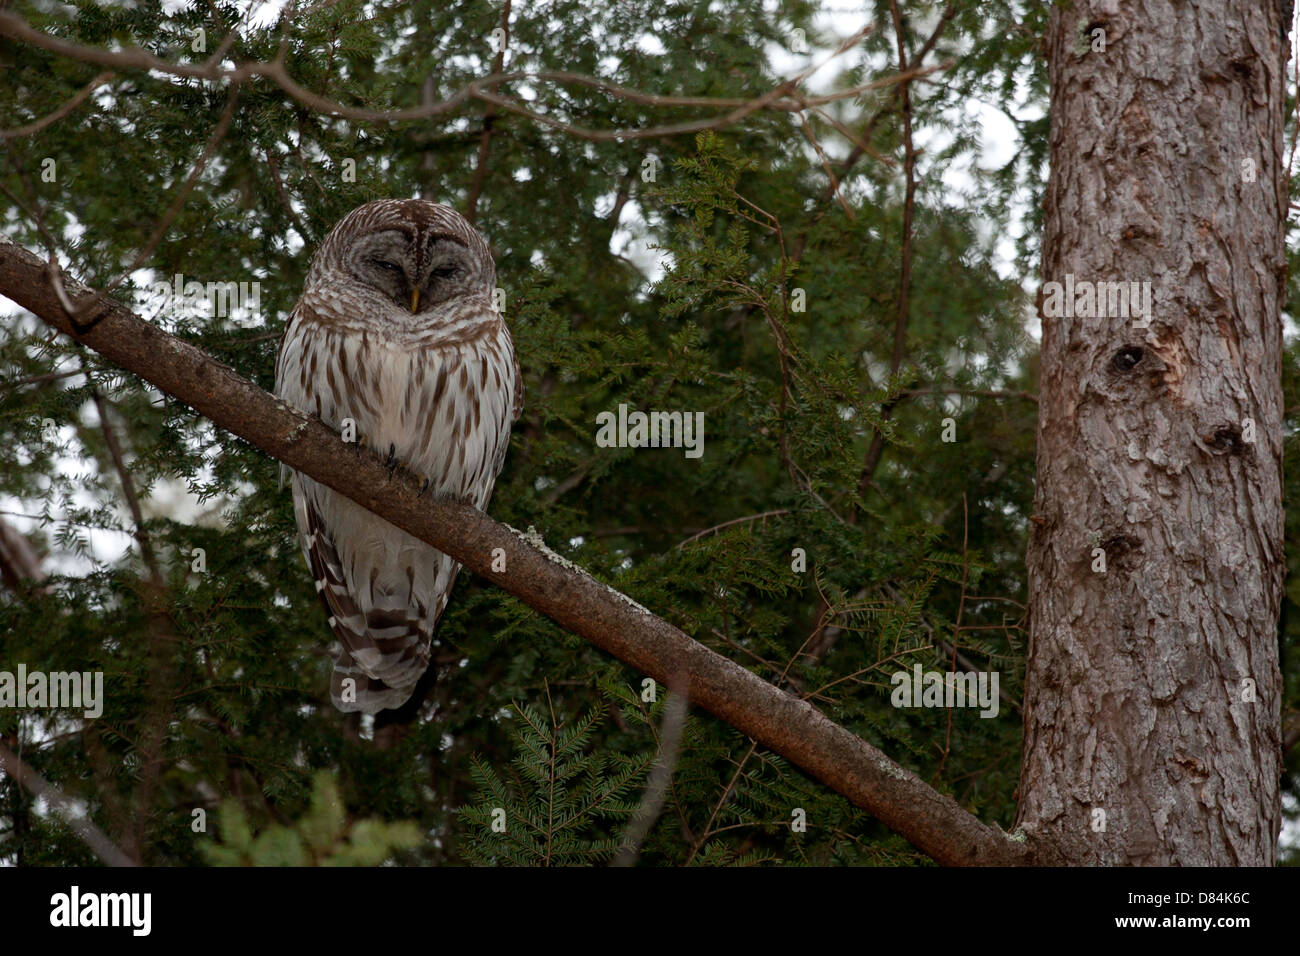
(423,488)
(391,461)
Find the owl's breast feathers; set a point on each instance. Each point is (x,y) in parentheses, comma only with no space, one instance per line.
(444,400)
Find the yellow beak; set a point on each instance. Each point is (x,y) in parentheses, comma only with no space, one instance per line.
(415,301)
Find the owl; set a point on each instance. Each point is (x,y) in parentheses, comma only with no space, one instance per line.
(397,331)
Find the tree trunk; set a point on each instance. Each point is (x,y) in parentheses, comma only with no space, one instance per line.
(1152,720)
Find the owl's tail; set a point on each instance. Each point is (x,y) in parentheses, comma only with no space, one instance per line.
(352,689)
(385,642)
(385,650)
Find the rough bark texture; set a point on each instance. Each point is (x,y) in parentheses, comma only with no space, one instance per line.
(1142,745)
(931,821)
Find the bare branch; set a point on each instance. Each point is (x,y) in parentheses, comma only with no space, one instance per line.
(86,831)
(218,134)
(489,119)
(727,524)
(79,98)
(273,166)
(128,489)
(877,446)
(781,98)
(20,566)
(980,392)
(41,379)
(652,801)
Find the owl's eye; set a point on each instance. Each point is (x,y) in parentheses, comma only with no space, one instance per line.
(444,272)
(388,266)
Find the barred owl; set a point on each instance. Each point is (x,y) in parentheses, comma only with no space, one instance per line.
(396,330)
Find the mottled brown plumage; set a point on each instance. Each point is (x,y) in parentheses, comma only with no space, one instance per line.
(396,330)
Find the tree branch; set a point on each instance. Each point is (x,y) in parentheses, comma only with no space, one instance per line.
(877,446)
(78,98)
(20,566)
(85,830)
(783,97)
(489,118)
(931,821)
(979,392)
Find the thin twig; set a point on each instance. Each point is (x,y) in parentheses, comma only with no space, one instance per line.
(763,516)
(982,393)
(877,446)
(77,99)
(781,98)
(661,776)
(41,379)
(489,118)
(218,134)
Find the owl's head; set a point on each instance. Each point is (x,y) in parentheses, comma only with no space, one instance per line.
(415,254)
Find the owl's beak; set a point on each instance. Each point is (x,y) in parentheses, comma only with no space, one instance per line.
(415,300)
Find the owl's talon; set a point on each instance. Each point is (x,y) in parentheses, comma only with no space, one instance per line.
(423,488)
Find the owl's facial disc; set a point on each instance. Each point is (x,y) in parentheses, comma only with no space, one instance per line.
(448,270)
(417,279)
(382,260)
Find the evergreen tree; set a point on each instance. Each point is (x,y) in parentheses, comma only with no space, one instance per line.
(837,284)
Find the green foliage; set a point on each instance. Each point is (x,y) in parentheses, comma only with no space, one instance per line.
(323,837)
(681,293)
(559,792)
(735,284)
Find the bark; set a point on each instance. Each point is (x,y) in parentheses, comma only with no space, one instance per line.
(931,821)
(1162,446)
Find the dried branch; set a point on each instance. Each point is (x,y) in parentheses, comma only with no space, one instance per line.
(85,830)
(128,489)
(78,98)
(782,97)
(877,446)
(178,202)
(20,565)
(779,512)
(489,119)
(978,392)
(40,379)
(652,801)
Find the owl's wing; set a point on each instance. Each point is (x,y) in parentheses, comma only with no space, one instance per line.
(519,394)
(285,470)
(385,644)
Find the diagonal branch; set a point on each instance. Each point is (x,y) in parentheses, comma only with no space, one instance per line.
(85,830)
(77,99)
(931,821)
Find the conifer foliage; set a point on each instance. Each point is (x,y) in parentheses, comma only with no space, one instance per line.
(838,287)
